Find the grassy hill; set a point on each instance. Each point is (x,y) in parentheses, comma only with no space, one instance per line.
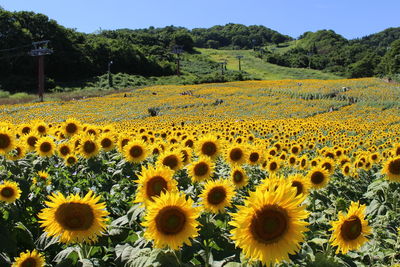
(261,69)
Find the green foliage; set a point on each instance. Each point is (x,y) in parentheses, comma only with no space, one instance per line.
(326,50)
(391,61)
(236,35)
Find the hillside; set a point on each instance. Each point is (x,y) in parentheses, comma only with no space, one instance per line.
(260,69)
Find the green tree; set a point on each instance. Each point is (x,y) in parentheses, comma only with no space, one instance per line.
(391,61)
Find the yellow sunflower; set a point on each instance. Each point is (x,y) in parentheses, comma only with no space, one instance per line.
(236,155)
(350,231)
(171,220)
(171,159)
(319,177)
(208,146)
(6,140)
(217,195)
(74,219)
(346,169)
(123,139)
(152,181)
(45,146)
(88,146)
(41,127)
(64,149)
(135,151)
(391,169)
(29,259)
(272,226)
(30,140)
(300,182)
(9,191)
(186,155)
(107,141)
(254,156)
(70,160)
(43,177)
(201,169)
(239,177)
(18,152)
(71,127)
(273,165)
(25,128)
(328,164)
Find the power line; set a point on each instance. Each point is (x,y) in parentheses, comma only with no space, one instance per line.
(15,48)
(15,55)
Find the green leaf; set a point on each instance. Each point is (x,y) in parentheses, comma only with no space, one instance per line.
(318,241)
(45,241)
(63,254)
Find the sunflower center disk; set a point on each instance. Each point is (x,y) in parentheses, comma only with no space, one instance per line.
(216,195)
(71,128)
(64,150)
(394,167)
(155,186)
(89,147)
(189,143)
(351,228)
(269,225)
(41,129)
(299,187)
(254,157)
(75,216)
(237,177)
(136,151)
(171,161)
(7,192)
(209,149)
(327,166)
(273,166)
(317,177)
(201,169)
(71,160)
(106,142)
(45,147)
(29,262)
(4,141)
(170,220)
(236,154)
(26,130)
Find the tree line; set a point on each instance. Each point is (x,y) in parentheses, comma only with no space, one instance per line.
(374,55)
(78,56)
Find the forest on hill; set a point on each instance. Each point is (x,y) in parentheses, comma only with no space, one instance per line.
(78,57)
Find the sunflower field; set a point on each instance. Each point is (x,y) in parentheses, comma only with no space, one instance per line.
(255,173)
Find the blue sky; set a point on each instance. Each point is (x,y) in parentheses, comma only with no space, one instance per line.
(350,18)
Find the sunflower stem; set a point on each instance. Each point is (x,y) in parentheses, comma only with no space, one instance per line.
(80,252)
(178,258)
(207,243)
(207,248)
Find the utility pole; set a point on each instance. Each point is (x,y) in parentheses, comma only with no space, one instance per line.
(178,49)
(222,67)
(239,58)
(110,81)
(309,59)
(40,50)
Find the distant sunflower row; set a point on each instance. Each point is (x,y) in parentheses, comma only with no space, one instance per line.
(71,141)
